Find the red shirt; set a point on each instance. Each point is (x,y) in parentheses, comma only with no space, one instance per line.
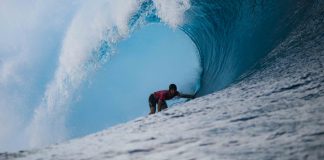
(164,95)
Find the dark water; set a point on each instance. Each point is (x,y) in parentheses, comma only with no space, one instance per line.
(233,36)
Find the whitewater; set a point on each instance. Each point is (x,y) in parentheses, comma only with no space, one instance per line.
(260,91)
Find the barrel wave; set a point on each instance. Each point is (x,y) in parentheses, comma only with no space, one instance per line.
(233,39)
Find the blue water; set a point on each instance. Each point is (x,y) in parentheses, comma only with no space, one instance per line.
(232,36)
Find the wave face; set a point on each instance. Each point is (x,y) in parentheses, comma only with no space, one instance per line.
(231,36)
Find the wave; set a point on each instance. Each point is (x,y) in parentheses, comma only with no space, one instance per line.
(232,37)
(89,42)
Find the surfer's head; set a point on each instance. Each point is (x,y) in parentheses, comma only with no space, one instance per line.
(172,88)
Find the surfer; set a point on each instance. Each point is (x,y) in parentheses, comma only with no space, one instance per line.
(160,97)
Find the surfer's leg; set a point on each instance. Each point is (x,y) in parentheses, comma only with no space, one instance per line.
(152,103)
(152,109)
(164,106)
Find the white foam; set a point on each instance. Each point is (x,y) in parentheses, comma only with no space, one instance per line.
(172,11)
(28,41)
(96,21)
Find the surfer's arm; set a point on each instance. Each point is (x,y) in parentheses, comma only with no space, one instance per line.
(186,96)
(160,102)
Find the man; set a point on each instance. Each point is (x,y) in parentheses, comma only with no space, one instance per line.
(160,97)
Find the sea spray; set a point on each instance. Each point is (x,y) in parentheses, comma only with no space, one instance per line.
(97,23)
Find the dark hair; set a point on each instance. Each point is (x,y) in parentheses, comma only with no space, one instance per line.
(172,86)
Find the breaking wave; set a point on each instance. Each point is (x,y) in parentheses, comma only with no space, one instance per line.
(231,36)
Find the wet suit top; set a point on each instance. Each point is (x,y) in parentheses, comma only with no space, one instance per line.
(164,95)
